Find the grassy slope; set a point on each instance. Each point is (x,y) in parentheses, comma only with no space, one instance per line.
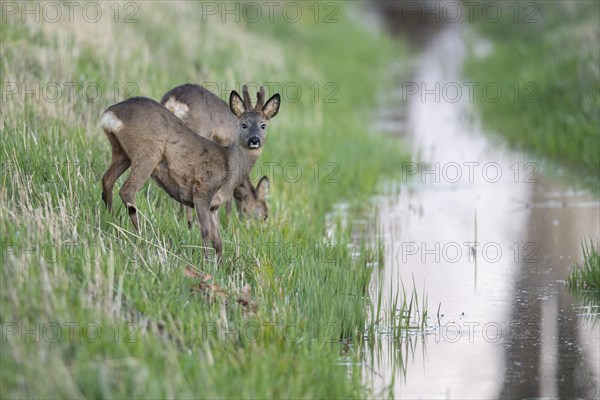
(67,261)
(557,52)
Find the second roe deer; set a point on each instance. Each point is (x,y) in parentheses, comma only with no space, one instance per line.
(193,170)
(206,114)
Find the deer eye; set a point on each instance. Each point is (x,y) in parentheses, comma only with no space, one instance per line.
(263,126)
(244,125)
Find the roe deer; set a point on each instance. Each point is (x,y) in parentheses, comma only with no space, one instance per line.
(206,114)
(193,170)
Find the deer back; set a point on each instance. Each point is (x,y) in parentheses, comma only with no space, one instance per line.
(202,111)
(186,162)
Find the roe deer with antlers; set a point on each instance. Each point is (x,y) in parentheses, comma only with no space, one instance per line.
(206,114)
(193,170)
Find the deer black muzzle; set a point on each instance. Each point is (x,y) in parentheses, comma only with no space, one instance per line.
(254,142)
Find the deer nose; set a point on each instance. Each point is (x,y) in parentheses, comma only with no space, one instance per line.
(254,142)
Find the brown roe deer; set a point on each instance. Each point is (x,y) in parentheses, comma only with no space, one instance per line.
(209,116)
(193,170)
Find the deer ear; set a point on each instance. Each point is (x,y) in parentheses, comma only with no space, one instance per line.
(272,107)
(262,188)
(236,104)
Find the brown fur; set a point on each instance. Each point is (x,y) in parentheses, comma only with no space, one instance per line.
(192,169)
(208,115)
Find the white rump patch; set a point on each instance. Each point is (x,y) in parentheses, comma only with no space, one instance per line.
(176,107)
(110,122)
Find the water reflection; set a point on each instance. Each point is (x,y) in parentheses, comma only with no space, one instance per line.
(492,239)
(556,357)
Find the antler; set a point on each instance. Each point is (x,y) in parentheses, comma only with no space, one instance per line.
(247,102)
(260,99)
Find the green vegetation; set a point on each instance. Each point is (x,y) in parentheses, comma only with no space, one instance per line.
(90,309)
(584,281)
(587,274)
(545,59)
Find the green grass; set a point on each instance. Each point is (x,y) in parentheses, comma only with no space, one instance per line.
(90,309)
(584,280)
(546,64)
(587,274)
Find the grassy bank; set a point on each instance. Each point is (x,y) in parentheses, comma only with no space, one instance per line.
(584,280)
(587,274)
(88,308)
(545,59)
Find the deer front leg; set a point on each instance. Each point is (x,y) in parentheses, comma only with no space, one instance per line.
(215,232)
(228,206)
(238,206)
(190,217)
(203,212)
(188,213)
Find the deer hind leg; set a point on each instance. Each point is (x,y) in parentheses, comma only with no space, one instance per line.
(136,179)
(119,164)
